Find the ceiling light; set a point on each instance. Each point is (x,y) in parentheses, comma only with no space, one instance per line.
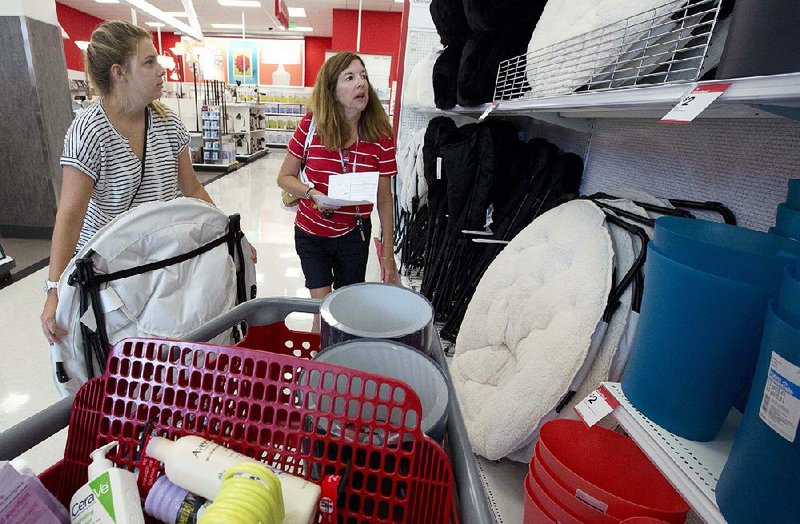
(82,44)
(226,26)
(177,14)
(297,12)
(302,29)
(167,62)
(239,3)
(154,24)
(398,1)
(150,9)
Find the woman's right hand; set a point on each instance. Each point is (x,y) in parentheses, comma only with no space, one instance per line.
(52,331)
(322,208)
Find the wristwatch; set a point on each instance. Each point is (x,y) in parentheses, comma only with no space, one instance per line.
(49,284)
(308,192)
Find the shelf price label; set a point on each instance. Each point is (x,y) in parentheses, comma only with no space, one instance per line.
(694,103)
(596,406)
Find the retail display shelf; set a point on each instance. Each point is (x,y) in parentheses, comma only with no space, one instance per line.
(218,167)
(776,94)
(276,145)
(692,467)
(284,114)
(251,158)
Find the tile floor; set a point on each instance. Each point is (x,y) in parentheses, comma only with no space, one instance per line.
(25,377)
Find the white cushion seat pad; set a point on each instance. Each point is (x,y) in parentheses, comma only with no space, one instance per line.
(527,331)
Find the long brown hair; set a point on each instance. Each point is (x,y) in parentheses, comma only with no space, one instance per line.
(334,133)
(114,42)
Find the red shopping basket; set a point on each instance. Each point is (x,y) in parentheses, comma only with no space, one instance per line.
(304,417)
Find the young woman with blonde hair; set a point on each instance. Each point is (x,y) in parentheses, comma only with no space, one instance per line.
(353,135)
(124,150)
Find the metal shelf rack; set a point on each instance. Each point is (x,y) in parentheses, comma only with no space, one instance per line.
(692,467)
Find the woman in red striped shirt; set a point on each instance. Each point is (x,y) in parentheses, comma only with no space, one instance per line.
(352,135)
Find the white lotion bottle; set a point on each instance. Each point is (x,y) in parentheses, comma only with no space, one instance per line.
(111,495)
(197,465)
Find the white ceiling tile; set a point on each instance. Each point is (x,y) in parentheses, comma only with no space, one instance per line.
(257,21)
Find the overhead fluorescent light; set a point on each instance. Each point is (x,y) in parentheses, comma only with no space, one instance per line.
(302,29)
(154,24)
(158,14)
(167,62)
(177,14)
(398,1)
(239,3)
(297,12)
(82,44)
(226,26)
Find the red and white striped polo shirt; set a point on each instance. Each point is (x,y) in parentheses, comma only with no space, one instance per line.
(321,164)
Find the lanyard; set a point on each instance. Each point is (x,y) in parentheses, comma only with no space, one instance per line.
(344,162)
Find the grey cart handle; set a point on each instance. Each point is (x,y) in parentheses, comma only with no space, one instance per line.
(20,438)
(258,312)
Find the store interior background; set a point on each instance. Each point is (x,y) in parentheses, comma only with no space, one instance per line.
(40,97)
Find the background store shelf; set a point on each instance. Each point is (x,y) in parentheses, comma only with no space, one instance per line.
(692,467)
(762,96)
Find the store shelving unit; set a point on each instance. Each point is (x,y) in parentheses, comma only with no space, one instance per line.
(762,96)
(218,154)
(692,467)
(282,120)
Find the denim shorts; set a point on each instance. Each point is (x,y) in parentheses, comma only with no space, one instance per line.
(338,261)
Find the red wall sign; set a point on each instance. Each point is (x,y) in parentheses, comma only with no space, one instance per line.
(282,12)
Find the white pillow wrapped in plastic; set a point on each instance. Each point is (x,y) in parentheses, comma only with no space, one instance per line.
(166,302)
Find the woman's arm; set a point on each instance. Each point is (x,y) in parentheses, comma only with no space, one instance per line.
(386,215)
(76,189)
(289,177)
(187,178)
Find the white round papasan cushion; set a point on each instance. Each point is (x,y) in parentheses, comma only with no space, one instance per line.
(527,330)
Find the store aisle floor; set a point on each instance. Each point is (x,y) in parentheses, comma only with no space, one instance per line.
(25,378)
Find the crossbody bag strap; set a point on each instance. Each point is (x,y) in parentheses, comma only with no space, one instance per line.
(312,128)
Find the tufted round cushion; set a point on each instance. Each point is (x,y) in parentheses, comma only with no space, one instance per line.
(528,328)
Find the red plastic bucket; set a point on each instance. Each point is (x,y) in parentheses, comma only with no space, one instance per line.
(559,513)
(584,508)
(533,511)
(610,468)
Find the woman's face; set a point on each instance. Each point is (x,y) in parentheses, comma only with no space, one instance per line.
(145,74)
(352,88)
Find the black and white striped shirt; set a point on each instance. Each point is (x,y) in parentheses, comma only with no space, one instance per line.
(94,147)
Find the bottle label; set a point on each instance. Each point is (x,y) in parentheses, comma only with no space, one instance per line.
(780,406)
(191,509)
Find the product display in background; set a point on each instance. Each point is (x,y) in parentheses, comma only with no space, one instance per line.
(482,183)
(708,286)
(477,36)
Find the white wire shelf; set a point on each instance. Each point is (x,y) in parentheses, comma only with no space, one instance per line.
(745,97)
(693,468)
(663,45)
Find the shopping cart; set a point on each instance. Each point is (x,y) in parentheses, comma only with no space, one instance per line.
(305,417)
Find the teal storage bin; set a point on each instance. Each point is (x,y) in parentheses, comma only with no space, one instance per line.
(793,196)
(695,349)
(788,304)
(761,480)
(732,252)
(787,223)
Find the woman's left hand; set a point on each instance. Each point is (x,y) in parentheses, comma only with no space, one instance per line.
(389,274)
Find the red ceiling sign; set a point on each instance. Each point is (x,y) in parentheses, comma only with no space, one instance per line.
(282,12)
